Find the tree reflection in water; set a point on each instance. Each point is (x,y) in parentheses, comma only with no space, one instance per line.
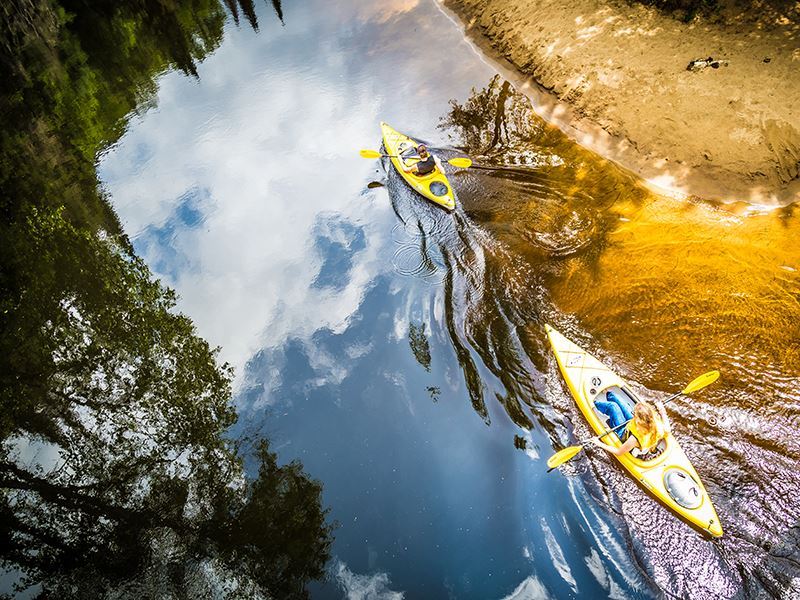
(103,377)
(116,477)
(533,205)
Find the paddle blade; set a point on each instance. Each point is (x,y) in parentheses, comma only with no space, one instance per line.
(461,163)
(701,382)
(369,154)
(562,456)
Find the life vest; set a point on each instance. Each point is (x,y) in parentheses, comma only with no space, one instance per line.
(647,441)
(426,165)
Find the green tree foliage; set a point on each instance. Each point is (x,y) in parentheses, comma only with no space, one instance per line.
(74,73)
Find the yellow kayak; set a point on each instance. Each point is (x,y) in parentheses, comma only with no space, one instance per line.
(669,476)
(434,186)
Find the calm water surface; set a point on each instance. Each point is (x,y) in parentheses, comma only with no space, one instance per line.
(398,350)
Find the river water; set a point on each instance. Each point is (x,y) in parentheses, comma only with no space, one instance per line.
(398,350)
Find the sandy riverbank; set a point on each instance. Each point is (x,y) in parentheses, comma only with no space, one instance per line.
(614,76)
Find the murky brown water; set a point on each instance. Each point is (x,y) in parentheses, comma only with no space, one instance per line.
(663,289)
(683,287)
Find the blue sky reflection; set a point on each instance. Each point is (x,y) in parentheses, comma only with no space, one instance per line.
(244,191)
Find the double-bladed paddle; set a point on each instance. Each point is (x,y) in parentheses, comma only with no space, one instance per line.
(460,162)
(565,454)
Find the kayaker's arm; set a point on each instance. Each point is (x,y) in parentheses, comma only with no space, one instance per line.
(626,447)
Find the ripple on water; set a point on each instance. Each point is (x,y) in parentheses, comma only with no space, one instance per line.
(533,207)
(562,230)
(413,261)
(423,231)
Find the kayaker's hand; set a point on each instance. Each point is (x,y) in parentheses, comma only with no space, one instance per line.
(597,442)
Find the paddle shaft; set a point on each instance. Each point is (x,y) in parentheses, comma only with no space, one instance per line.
(403,155)
(400,156)
(458,162)
(472,166)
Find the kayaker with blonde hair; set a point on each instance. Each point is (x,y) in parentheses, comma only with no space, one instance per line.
(647,426)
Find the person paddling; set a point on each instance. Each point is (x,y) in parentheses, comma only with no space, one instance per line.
(644,431)
(427,162)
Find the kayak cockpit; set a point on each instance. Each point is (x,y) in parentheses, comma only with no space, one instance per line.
(629,399)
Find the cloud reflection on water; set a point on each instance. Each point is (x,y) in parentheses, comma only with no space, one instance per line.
(364,587)
(264,185)
(286,262)
(270,133)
